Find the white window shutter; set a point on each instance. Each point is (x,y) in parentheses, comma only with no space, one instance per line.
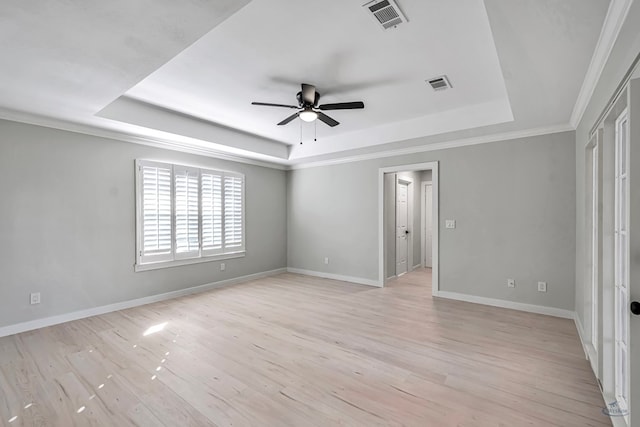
(184,213)
(211,185)
(233,213)
(187,210)
(155,212)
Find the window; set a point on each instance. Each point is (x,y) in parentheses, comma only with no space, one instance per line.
(186,215)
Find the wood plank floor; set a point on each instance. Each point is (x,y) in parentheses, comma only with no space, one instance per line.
(297,351)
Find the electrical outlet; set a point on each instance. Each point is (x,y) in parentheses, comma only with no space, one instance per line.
(222,266)
(511,283)
(35,298)
(326,260)
(450,223)
(542,286)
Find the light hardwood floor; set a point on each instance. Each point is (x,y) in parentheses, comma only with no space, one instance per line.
(296,351)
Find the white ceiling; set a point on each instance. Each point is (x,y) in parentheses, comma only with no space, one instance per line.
(186,73)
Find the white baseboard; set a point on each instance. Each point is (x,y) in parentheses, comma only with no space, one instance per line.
(358,280)
(531,308)
(590,352)
(580,329)
(81,314)
(416,266)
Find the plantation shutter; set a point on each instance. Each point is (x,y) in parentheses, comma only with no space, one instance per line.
(184,213)
(187,211)
(155,233)
(211,212)
(233,220)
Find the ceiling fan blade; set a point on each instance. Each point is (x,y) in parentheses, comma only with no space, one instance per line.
(328,120)
(342,106)
(268,104)
(288,119)
(308,94)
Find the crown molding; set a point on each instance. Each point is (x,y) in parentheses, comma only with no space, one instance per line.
(438,146)
(183,147)
(613,21)
(284,164)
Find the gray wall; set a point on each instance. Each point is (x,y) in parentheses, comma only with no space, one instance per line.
(625,50)
(67,223)
(514,203)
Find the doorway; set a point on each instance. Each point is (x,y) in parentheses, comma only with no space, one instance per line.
(612,215)
(394,237)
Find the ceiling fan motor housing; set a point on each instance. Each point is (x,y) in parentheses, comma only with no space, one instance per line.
(302,104)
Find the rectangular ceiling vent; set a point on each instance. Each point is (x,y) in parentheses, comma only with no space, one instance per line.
(386,13)
(440,83)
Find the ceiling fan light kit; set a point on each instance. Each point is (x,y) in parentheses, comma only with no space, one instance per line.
(308,108)
(308,115)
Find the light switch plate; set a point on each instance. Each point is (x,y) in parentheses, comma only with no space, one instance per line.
(34,298)
(450,223)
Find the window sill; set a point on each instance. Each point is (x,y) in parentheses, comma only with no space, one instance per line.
(177,263)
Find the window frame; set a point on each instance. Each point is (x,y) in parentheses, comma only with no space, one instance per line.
(174,259)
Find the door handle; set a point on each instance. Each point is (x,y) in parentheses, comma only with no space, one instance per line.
(635,307)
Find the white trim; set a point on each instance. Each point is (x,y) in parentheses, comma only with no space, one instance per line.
(358,280)
(592,357)
(423,222)
(437,146)
(183,147)
(81,314)
(580,329)
(433,166)
(416,266)
(616,15)
(435,230)
(187,261)
(530,308)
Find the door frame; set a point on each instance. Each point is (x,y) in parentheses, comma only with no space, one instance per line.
(433,166)
(423,221)
(593,253)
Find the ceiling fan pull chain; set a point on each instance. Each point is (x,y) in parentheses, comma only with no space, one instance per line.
(300,131)
(315,130)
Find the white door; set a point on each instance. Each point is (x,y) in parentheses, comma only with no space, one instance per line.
(402,231)
(621,260)
(428,225)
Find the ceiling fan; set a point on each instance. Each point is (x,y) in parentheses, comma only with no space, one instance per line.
(308,108)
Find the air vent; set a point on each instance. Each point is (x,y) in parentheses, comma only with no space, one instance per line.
(440,83)
(386,13)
